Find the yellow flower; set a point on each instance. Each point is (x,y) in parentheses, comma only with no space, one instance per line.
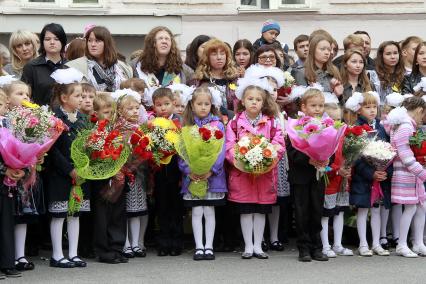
(176,80)
(232,86)
(29,104)
(396,88)
(162,122)
(172,137)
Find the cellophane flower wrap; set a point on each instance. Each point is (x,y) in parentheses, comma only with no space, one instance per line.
(97,154)
(356,138)
(316,137)
(155,140)
(379,154)
(31,132)
(418,146)
(254,154)
(199,147)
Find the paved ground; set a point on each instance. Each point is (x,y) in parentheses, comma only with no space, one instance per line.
(282,267)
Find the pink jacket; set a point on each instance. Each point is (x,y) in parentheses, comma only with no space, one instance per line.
(243,187)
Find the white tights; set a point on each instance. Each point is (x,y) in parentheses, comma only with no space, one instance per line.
(337,231)
(361,224)
(56,225)
(396,212)
(274,219)
(418,211)
(252,227)
(197,226)
(136,228)
(20,236)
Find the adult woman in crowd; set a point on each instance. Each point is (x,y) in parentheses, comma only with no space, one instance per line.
(267,56)
(193,54)
(354,74)
(101,66)
(319,67)
(418,70)
(160,63)
(23,46)
(75,49)
(389,70)
(243,53)
(217,68)
(36,73)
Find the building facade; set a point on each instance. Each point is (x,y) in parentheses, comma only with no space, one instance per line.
(230,20)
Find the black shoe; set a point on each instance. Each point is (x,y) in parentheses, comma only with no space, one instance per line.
(61,264)
(122,259)
(209,254)
(277,246)
(109,260)
(163,252)
(175,252)
(265,246)
(319,256)
(127,252)
(138,252)
(22,266)
(198,256)
(11,273)
(304,256)
(260,255)
(78,262)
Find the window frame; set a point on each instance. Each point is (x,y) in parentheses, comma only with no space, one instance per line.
(62,4)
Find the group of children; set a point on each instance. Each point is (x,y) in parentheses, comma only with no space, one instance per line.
(120,208)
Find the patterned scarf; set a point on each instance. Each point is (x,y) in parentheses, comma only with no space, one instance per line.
(110,76)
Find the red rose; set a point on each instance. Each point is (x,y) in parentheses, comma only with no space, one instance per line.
(102,124)
(144,142)
(218,134)
(201,130)
(134,139)
(147,155)
(206,135)
(357,130)
(93,118)
(366,127)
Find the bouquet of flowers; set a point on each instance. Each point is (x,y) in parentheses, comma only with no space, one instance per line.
(288,84)
(380,155)
(354,142)
(155,141)
(31,132)
(255,155)
(418,146)
(318,138)
(97,153)
(199,147)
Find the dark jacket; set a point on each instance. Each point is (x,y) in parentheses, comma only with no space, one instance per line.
(323,78)
(36,73)
(362,178)
(371,64)
(348,91)
(59,160)
(300,171)
(409,82)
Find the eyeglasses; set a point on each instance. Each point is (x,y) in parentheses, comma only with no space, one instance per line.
(265,58)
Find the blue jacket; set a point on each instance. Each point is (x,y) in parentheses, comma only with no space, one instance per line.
(362,178)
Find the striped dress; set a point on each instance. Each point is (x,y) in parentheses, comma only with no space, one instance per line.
(408,175)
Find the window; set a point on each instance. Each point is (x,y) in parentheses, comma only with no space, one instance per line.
(261,4)
(291,2)
(85,1)
(63,3)
(274,4)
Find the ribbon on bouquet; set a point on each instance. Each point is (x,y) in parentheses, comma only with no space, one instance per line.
(376,192)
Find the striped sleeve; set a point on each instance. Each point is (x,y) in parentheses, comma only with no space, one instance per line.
(401,142)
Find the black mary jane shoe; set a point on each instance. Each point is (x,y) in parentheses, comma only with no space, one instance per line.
(277,246)
(11,273)
(209,254)
(265,246)
(386,245)
(23,266)
(138,252)
(78,262)
(261,255)
(198,256)
(61,264)
(128,252)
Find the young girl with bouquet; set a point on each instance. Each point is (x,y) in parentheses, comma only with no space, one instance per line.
(202,111)
(254,194)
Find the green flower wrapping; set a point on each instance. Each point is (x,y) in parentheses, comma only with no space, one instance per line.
(95,169)
(200,148)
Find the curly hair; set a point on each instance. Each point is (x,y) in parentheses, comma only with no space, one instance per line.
(149,56)
(203,70)
(387,78)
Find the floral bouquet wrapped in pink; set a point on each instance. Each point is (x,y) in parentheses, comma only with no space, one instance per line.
(318,138)
(31,132)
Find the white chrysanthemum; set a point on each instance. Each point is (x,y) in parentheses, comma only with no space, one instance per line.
(244,142)
(254,156)
(379,149)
